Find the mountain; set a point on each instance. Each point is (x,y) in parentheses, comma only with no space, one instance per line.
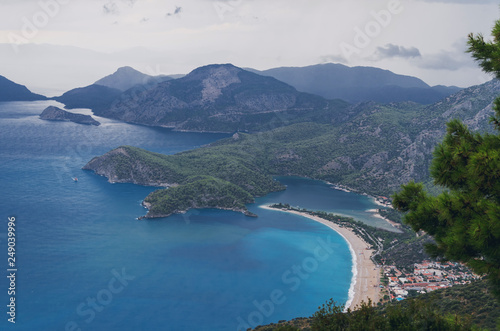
(358,84)
(219,97)
(52,113)
(126,77)
(93,96)
(101,95)
(10,91)
(373,149)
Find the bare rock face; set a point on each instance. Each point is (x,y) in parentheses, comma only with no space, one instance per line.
(220,78)
(52,113)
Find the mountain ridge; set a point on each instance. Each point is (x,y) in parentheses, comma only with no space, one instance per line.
(358,84)
(217,98)
(11,91)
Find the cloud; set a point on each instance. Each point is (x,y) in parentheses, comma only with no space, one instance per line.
(445,60)
(390,51)
(335,58)
(111,8)
(454,59)
(177,11)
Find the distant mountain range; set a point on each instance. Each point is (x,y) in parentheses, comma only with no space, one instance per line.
(221,98)
(358,84)
(10,91)
(226,98)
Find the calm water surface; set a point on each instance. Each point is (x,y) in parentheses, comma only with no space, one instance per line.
(84,261)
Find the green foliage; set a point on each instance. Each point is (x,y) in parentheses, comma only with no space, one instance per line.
(215,177)
(461,307)
(370,148)
(487,53)
(473,301)
(465,219)
(198,192)
(414,316)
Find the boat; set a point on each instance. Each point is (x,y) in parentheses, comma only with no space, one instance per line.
(74,179)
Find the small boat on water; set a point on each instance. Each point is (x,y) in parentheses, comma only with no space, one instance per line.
(74,179)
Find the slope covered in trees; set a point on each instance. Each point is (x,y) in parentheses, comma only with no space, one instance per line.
(371,148)
(465,219)
(463,307)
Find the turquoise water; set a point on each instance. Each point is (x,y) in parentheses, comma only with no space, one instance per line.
(85,262)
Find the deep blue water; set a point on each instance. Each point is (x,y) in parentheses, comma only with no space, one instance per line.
(84,262)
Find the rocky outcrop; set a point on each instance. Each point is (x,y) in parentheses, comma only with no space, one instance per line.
(52,113)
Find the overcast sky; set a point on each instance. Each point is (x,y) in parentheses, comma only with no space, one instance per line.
(422,38)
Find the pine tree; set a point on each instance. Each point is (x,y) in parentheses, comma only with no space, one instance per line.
(465,219)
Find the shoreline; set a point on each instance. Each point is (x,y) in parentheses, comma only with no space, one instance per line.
(366,276)
(375,213)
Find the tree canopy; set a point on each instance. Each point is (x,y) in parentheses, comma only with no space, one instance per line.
(465,219)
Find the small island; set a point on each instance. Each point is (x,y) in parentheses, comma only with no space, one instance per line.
(52,113)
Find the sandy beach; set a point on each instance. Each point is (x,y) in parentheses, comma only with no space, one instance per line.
(367,280)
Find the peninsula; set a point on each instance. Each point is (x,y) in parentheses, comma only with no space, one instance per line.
(212,179)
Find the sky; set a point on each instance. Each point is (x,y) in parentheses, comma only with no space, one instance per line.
(52,46)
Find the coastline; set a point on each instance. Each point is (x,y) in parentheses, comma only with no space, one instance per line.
(366,276)
(376,214)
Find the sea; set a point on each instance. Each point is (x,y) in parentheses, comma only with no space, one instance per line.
(78,258)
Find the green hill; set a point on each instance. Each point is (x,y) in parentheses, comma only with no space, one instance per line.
(462,307)
(373,148)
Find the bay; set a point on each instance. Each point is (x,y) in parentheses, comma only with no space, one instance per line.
(85,262)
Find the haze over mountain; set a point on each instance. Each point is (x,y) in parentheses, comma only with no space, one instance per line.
(10,91)
(358,84)
(127,77)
